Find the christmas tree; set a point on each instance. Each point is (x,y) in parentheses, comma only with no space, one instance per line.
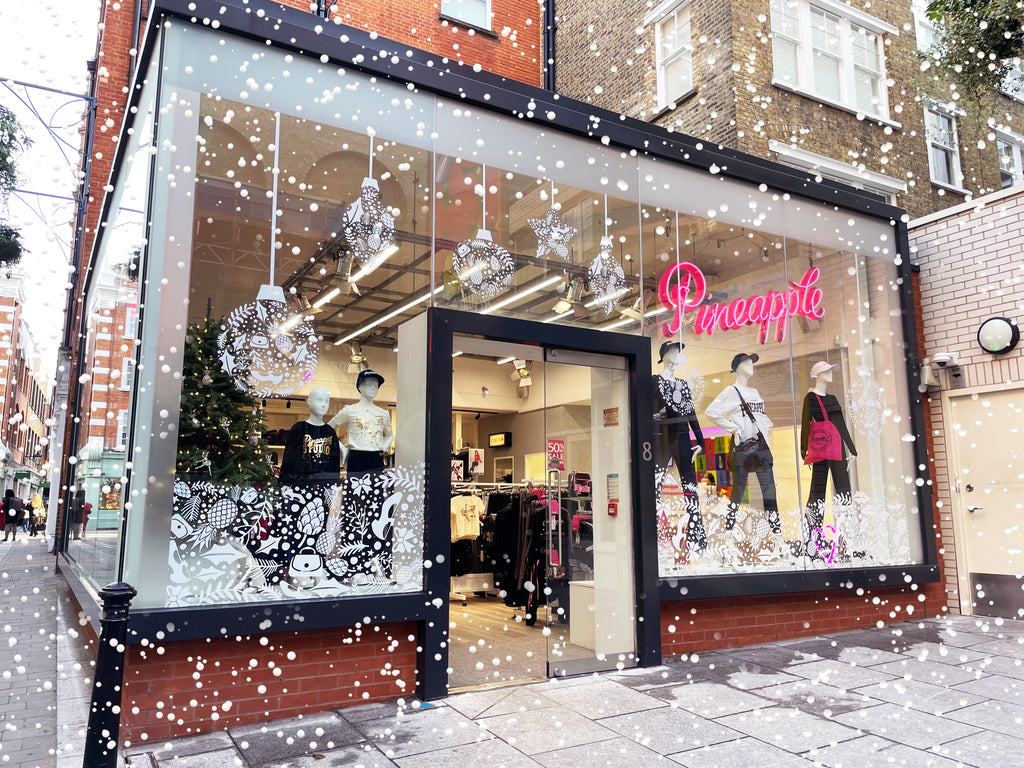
(220,433)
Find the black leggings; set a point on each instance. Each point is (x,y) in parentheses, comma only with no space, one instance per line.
(680,448)
(766,479)
(815,514)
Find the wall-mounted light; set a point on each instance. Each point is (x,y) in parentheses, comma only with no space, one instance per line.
(998,335)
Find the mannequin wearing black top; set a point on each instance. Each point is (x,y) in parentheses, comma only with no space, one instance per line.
(839,469)
(312,451)
(676,401)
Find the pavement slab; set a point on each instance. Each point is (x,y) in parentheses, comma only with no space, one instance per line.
(789,729)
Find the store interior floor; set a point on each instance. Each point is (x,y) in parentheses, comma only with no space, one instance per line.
(491,644)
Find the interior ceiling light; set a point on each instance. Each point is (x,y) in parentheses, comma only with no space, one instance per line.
(522,294)
(357,360)
(326,297)
(571,302)
(374,262)
(635,310)
(522,373)
(505,360)
(394,313)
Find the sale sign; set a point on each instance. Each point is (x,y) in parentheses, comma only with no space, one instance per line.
(556,455)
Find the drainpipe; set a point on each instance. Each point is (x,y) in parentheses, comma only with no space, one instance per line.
(549,45)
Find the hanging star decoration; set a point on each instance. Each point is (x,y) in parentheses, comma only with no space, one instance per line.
(369,228)
(280,352)
(606,277)
(553,235)
(484,267)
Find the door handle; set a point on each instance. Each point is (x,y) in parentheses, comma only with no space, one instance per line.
(971,508)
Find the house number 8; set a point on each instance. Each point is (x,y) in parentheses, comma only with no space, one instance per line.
(647,451)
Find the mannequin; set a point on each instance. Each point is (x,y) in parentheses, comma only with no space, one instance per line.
(680,418)
(366,511)
(312,452)
(821,372)
(727,411)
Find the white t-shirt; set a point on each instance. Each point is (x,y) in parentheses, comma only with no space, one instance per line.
(727,413)
(466,511)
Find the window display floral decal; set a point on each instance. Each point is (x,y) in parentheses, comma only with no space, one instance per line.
(607,279)
(484,267)
(553,235)
(866,407)
(281,346)
(237,544)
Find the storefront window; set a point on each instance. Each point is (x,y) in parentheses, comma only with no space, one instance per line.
(305,218)
(95,504)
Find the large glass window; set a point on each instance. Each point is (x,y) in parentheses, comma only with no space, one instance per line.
(675,51)
(305,216)
(943,147)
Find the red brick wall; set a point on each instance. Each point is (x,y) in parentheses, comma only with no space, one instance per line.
(702,625)
(195,686)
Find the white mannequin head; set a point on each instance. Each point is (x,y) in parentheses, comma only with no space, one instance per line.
(672,355)
(318,400)
(368,384)
(821,372)
(743,365)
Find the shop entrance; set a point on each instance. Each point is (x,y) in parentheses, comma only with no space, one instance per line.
(544,534)
(988,489)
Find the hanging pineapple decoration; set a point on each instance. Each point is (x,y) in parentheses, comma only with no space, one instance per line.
(607,279)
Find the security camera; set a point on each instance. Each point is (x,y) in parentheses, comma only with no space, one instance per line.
(943,359)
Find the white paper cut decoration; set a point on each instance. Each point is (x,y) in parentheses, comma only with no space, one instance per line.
(281,348)
(865,405)
(483,266)
(553,235)
(606,277)
(369,228)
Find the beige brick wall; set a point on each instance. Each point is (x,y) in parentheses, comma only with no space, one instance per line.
(971,270)
(607,58)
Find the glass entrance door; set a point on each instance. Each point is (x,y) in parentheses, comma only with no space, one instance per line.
(590,579)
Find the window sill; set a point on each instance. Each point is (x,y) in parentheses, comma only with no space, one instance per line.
(951,187)
(837,105)
(466,25)
(664,109)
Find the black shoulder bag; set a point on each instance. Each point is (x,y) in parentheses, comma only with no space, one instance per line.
(753,454)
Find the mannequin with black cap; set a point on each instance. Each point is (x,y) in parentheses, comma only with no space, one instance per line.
(367,509)
(739,410)
(367,426)
(312,452)
(821,406)
(679,419)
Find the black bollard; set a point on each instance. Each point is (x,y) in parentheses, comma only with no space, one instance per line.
(102,735)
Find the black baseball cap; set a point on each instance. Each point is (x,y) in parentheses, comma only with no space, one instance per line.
(741,357)
(669,345)
(368,374)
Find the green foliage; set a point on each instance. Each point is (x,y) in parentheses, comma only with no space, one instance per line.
(220,432)
(11,248)
(977,41)
(12,141)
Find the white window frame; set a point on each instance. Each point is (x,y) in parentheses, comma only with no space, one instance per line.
(1016,142)
(953,147)
(925,30)
(127,373)
(455,9)
(122,431)
(683,52)
(1012,84)
(131,318)
(851,22)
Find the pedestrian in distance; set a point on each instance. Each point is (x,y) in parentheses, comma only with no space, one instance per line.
(12,514)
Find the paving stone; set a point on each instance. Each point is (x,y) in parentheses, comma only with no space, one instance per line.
(986,750)
(711,700)
(943,653)
(921,696)
(740,753)
(840,675)
(871,752)
(931,672)
(355,756)
(221,758)
(546,730)
(832,648)
(993,716)
(789,729)
(433,729)
(777,656)
(996,687)
(816,698)
(667,731)
(603,698)
(185,746)
(494,754)
(511,700)
(294,737)
(907,726)
(617,753)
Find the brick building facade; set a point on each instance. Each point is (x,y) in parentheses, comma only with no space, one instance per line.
(607,54)
(332,667)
